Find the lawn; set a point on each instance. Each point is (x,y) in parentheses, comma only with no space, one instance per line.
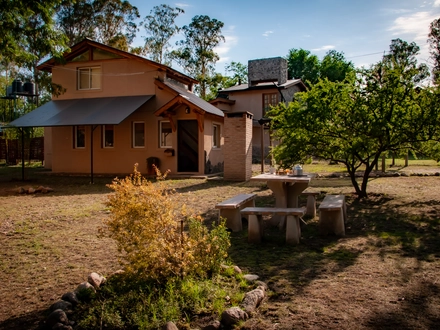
(382,275)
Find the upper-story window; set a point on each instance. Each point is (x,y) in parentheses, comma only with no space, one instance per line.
(89,78)
(268,101)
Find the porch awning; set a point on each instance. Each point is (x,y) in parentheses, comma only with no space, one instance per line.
(90,111)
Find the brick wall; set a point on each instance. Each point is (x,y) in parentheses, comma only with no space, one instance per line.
(238,146)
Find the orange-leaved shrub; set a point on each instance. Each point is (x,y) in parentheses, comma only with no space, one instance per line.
(146,226)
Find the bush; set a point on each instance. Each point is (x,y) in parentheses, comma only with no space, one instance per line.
(147,228)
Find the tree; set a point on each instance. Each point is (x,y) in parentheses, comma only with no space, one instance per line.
(334,67)
(237,75)
(434,45)
(15,29)
(356,120)
(110,22)
(303,65)
(196,53)
(160,27)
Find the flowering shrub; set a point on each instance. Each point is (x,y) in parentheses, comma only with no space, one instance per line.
(147,228)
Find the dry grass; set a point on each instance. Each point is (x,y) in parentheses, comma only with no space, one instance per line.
(382,275)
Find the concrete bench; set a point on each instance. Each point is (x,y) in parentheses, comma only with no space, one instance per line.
(230,209)
(311,202)
(255,230)
(332,215)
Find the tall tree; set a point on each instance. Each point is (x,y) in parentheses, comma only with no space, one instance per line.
(434,44)
(160,27)
(334,66)
(196,53)
(237,73)
(356,120)
(303,65)
(107,21)
(15,28)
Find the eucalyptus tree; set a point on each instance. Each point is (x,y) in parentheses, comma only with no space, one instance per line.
(356,120)
(434,45)
(111,22)
(160,28)
(196,53)
(334,66)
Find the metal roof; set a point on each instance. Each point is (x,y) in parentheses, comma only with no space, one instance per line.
(89,111)
(194,99)
(263,85)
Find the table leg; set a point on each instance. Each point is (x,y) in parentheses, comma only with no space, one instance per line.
(293,191)
(279,191)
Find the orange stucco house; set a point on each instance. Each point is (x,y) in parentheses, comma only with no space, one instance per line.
(119,109)
(267,86)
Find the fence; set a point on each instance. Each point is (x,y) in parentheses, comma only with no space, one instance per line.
(10,150)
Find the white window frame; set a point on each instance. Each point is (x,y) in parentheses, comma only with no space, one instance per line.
(89,71)
(216,135)
(134,134)
(160,134)
(104,140)
(75,134)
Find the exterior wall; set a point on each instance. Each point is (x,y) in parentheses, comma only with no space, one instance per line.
(214,157)
(48,147)
(267,69)
(120,77)
(123,78)
(238,147)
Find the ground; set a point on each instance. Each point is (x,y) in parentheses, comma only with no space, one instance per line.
(382,275)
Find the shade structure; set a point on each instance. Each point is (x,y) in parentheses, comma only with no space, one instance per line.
(88,111)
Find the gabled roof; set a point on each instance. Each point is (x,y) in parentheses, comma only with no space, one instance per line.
(265,85)
(188,97)
(88,44)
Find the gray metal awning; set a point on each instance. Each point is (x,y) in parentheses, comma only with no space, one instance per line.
(89,111)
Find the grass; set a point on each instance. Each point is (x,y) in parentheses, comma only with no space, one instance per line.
(382,274)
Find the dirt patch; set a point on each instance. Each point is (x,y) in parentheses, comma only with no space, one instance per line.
(383,274)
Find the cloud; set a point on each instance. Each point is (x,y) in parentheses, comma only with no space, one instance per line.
(437,3)
(181,5)
(267,33)
(231,41)
(326,47)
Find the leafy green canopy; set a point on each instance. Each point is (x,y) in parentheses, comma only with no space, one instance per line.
(196,52)
(356,120)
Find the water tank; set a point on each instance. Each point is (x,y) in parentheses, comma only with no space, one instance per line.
(29,87)
(17,86)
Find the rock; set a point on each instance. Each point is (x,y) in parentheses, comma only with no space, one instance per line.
(252,300)
(170,326)
(60,326)
(84,286)
(57,316)
(21,190)
(251,277)
(261,285)
(70,297)
(213,326)
(31,190)
(437,174)
(61,304)
(96,280)
(237,270)
(85,291)
(232,316)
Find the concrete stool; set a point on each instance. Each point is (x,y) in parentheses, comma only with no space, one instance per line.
(311,202)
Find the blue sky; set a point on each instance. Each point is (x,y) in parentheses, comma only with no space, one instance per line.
(361,29)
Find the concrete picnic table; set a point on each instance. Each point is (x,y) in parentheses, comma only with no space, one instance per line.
(286,189)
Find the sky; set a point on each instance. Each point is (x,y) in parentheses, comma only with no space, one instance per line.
(361,29)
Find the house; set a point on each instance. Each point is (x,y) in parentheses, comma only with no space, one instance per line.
(119,109)
(267,86)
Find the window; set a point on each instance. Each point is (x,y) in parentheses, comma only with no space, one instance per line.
(89,78)
(108,136)
(269,100)
(216,136)
(165,134)
(80,137)
(138,134)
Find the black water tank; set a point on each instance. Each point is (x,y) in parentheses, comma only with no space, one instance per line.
(29,87)
(17,86)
